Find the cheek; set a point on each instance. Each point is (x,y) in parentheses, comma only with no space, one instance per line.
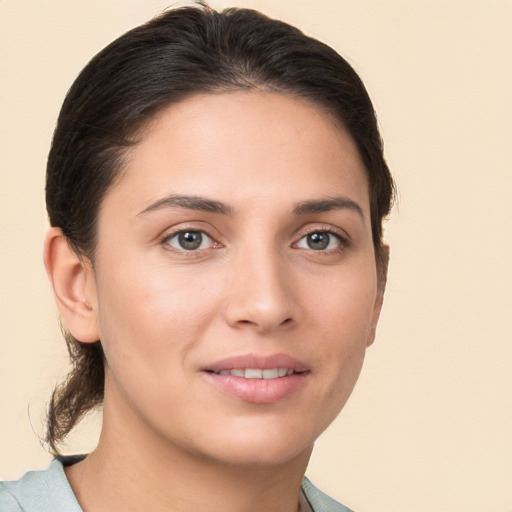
(147,327)
(342,325)
(344,306)
(150,314)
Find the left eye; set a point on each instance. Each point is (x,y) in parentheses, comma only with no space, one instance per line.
(188,240)
(319,241)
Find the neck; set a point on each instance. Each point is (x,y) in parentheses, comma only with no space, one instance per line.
(135,470)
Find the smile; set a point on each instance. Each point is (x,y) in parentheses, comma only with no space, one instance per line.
(258,378)
(257,373)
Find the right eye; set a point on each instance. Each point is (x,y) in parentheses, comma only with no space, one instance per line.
(189,240)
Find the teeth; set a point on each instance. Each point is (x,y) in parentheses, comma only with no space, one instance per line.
(271,374)
(258,373)
(253,373)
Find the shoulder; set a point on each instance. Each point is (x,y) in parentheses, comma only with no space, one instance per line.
(8,502)
(39,491)
(319,501)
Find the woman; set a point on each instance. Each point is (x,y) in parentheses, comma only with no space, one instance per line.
(216,189)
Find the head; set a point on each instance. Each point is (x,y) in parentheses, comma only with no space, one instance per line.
(190,57)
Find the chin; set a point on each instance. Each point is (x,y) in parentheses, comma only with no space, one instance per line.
(260,445)
(263,457)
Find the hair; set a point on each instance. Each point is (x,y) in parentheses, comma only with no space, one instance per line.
(180,53)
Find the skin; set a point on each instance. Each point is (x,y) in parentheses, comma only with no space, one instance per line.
(254,286)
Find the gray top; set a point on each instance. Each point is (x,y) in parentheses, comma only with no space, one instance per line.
(49,491)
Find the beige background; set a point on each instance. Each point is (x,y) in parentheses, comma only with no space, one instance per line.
(429,426)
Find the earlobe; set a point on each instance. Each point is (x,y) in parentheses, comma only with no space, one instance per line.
(72,279)
(382,275)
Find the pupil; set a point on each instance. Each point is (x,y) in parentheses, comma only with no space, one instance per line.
(318,241)
(190,240)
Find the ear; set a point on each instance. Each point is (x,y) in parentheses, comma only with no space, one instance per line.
(74,287)
(382,276)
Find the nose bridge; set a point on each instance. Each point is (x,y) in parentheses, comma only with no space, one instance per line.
(261,291)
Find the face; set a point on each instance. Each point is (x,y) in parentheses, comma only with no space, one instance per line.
(236,285)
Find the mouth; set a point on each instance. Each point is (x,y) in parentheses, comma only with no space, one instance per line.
(257,373)
(258,379)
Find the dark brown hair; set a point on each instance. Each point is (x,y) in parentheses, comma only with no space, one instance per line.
(180,53)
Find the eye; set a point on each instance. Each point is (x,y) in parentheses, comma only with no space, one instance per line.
(320,241)
(189,240)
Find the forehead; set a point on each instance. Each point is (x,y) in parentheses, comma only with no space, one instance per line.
(251,143)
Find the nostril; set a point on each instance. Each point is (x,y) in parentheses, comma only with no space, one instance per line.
(286,321)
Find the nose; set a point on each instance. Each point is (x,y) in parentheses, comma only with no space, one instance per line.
(260,293)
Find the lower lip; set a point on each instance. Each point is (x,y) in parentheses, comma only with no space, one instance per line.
(258,391)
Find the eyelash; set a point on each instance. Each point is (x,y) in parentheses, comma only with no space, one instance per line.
(343,242)
(165,242)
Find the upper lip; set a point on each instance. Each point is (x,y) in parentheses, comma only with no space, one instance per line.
(261,361)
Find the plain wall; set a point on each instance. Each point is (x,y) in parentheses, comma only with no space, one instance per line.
(429,426)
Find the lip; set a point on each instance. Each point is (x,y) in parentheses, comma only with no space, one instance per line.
(257,391)
(265,362)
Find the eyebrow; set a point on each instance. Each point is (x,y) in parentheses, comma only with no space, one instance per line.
(326,205)
(190,202)
(203,204)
